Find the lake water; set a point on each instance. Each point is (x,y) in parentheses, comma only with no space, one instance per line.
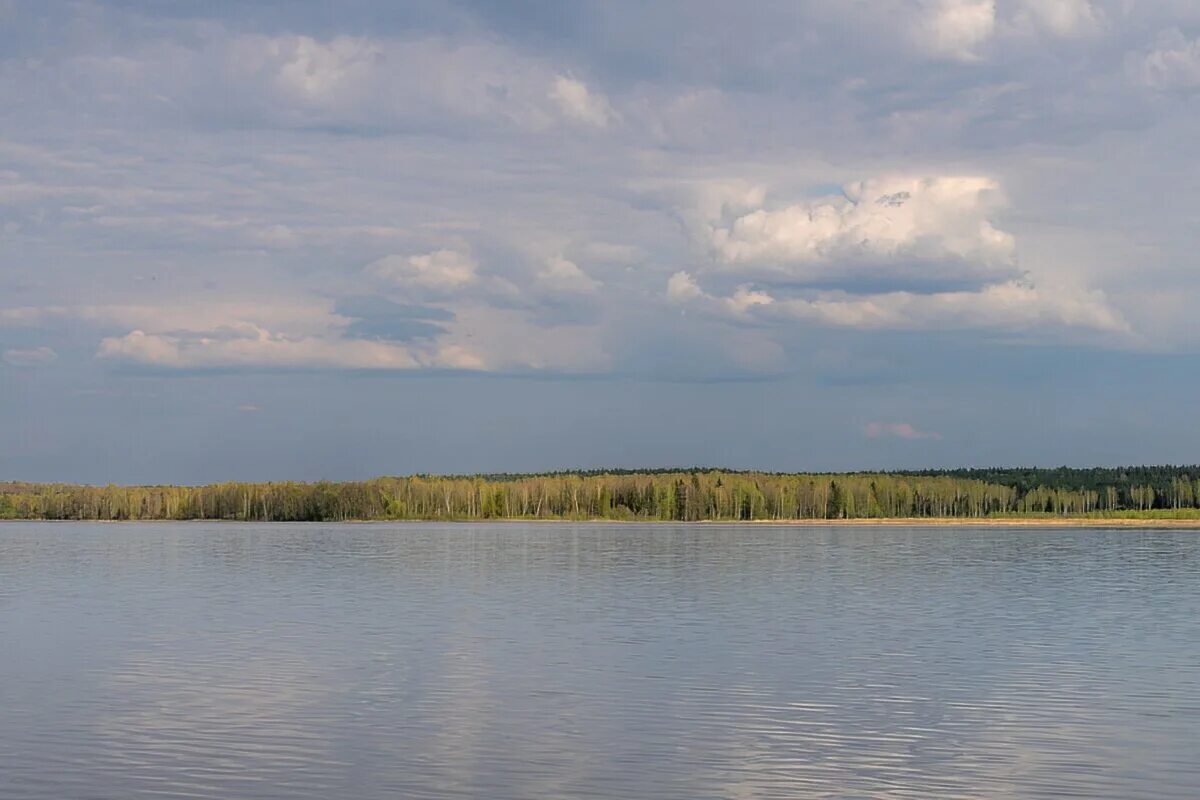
(562,661)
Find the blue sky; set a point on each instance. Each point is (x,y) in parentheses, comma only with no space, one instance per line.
(305,240)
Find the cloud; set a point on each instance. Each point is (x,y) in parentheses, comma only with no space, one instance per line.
(551,329)
(580,104)
(298,315)
(612,253)
(249,408)
(441,271)
(896,430)
(1011,306)
(218,178)
(289,333)
(1006,306)
(511,340)
(308,69)
(258,348)
(958,30)
(24,316)
(682,288)
(357,332)
(379,318)
(1065,18)
(351,80)
(923,227)
(214,74)
(560,276)
(1174,63)
(35,357)
(953,29)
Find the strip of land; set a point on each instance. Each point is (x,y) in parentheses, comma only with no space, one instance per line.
(1166,496)
(1000,522)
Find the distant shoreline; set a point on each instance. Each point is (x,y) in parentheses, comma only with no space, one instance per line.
(1103,496)
(1148,523)
(994,522)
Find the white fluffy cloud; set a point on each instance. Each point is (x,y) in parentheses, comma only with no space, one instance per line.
(888,222)
(960,30)
(682,288)
(289,333)
(580,103)
(441,270)
(560,276)
(252,347)
(935,234)
(1011,306)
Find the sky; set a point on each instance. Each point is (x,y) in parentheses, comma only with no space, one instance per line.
(304,240)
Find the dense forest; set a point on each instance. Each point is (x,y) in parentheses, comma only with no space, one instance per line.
(697,494)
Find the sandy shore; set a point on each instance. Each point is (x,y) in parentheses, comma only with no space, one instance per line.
(993,522)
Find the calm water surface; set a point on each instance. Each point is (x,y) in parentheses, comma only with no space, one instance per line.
(559,661)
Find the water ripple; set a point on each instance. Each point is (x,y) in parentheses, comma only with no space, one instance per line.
(510,661)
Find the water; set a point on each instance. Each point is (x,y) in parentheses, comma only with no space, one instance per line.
(539,661)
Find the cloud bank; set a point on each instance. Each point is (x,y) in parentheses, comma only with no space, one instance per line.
(817,195)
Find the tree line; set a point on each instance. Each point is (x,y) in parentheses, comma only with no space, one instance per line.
(685,495)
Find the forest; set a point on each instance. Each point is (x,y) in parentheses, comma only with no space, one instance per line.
(683,495)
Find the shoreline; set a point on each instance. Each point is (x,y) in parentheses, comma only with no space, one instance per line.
(878,522)
(992,522)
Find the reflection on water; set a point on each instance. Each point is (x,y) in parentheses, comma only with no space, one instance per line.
(511,661)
